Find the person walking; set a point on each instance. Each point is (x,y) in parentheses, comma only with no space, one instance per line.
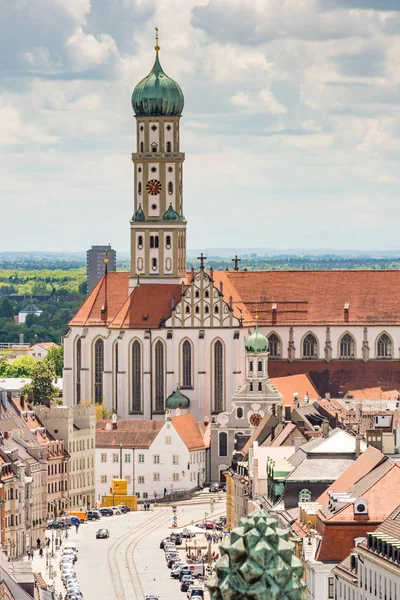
(38,543)
(77,527)
(41,552)
(165,492)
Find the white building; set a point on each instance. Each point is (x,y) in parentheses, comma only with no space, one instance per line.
(372,570)
(138,334)
(31,309)
(151,455)
(40,350)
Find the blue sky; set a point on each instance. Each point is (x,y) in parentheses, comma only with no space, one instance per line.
(291,123)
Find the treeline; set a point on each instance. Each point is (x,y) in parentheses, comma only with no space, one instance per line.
(298,263)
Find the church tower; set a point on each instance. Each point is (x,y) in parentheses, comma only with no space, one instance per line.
(158,227)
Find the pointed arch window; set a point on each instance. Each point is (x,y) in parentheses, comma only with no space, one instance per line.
(98,370)
(274,346)
(223,444)
(78,370)
(116,376)
(159,377)
(384,346)
(218,376)
(187,364)
(310,347)
(136,377)
(347,346)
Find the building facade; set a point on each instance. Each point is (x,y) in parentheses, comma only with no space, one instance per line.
(95,264)
(76,426)
(156,456)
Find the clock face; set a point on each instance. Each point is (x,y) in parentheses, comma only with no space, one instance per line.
(153,187)
(255,419)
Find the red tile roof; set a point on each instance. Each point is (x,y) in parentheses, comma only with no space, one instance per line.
(131,425)
(315,297)
(129,439)
(189,431)
(339,529)
(372,393)
(295,383)
(301,297)
(365,463)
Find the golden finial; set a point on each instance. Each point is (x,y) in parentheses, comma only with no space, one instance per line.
(257,317)
(106,260)
(156,47)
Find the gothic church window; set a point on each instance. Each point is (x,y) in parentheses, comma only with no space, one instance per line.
(78,369)
(384,346)
(310,347)
(136,376)
(274,346)
(223,444)
(218,376)
(98,370)
(116,376)
(159,377)
(186,364)
(347,346)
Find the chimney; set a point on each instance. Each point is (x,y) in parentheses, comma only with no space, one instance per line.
(288,413)
(279,413)
(296,401)
(297,443)
(325,428)
(358,445)
(273,409)
(22,401)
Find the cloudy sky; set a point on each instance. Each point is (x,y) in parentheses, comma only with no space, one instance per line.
(291,125)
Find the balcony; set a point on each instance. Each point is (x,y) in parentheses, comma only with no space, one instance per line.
(158,155)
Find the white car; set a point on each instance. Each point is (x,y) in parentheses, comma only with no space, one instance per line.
(116,510)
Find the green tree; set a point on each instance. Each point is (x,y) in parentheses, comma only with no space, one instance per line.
(6,309)
(41,385)
(55,356)
(19,367)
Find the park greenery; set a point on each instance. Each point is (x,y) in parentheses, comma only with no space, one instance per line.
(57,286)
(41,389)
(25,366)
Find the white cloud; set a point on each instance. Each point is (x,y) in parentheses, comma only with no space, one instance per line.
(263,101)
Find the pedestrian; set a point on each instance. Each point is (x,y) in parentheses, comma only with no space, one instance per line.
(41,552)
(28,554)
(77,527)
(38,543)
(48,542)
(165,492)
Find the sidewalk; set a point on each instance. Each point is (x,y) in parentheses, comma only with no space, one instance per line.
(51,573)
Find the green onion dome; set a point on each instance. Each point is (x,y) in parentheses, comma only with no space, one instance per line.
(157,94)
(138,215)
(177,400)
(256,342)
(171,214)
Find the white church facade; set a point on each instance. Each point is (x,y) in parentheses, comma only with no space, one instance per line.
(142,334)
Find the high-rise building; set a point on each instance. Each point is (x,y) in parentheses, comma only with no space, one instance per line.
(95,264)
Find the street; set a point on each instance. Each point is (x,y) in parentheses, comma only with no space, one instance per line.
(129,564)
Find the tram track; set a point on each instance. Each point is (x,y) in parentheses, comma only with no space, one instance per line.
(118,548)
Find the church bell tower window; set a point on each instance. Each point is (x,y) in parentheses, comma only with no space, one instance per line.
(98,370)
(170,188)
(154,264)
(159,377)
(218,376)
(168,242)
(169,148)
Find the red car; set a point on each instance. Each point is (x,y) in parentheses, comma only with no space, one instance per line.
(208,525)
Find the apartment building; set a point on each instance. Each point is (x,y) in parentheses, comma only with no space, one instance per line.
(76,426)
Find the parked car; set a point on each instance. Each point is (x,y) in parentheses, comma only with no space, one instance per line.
(195,591)
(208,525)
(102,534)
(93,515)
(215,487)
(116,510)
(163,542)
(57,525)
(186,582)
(176,538)
(176,571)
(106,512)
(124,509)
(151,598)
